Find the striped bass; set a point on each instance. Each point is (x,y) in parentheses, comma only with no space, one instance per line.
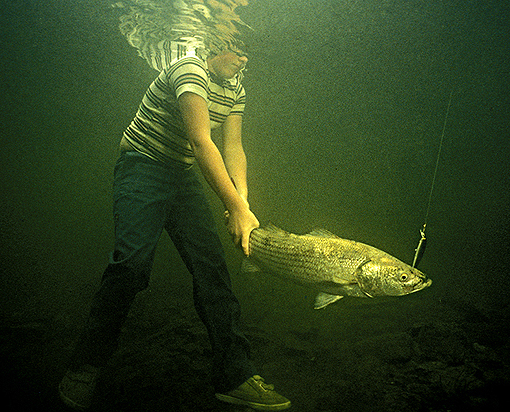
(335,267)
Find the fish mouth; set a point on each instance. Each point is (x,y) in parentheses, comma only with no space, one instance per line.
(424,283)
(420,285)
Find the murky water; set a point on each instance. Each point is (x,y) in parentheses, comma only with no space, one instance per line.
(346,105)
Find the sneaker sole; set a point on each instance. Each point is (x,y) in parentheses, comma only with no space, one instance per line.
(69,402)
(253,405)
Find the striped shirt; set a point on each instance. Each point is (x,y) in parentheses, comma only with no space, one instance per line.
(158,129)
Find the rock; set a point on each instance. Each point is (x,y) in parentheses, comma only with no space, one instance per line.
(390,348)
(445,342)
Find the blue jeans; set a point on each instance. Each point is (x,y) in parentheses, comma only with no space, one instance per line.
(149,197)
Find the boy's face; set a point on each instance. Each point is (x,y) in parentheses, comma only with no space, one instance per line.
(227,64)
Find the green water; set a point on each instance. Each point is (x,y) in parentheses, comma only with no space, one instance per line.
(346,104)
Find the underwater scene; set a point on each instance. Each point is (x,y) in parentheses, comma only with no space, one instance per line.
(372,128)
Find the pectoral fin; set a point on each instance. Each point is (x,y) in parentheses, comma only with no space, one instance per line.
(324,299)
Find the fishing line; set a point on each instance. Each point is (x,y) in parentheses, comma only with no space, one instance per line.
(422,243)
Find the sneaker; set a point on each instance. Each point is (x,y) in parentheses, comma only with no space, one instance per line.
(257,395)
(77,388)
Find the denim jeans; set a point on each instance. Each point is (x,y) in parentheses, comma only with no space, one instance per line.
(149,197)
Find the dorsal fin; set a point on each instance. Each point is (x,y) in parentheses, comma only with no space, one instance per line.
(322,233)
(272,228)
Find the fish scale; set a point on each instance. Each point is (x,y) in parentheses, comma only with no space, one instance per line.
(335,267)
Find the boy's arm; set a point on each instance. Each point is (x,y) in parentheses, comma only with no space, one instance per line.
(233,154)
(195,115)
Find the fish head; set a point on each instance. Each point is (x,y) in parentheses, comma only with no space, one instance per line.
(388,276)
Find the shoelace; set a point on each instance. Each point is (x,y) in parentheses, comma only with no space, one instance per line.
(260,381)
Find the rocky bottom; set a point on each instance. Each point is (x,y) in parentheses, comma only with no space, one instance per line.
(164,359)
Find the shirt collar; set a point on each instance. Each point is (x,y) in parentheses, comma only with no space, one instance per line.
(219,81)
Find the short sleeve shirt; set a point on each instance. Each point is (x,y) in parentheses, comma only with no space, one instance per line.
(158,129)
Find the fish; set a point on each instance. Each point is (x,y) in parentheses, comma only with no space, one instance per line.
(333,266)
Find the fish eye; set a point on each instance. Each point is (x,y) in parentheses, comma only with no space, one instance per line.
(404,277)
